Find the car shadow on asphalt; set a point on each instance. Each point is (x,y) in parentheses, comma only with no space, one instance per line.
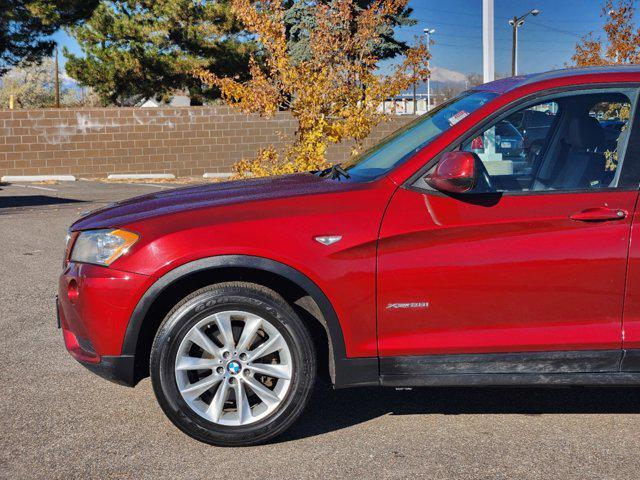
(23,201)
(330,410)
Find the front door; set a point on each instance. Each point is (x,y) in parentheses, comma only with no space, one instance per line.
(536,264)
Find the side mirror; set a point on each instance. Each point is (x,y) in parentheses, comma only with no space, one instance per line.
(455,173)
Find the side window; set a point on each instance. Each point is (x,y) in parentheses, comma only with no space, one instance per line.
(613,117)
(509,149)
(573,142)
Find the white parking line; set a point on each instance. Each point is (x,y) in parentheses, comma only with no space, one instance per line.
(34,186)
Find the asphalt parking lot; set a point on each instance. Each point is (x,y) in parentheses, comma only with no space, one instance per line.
(57,420)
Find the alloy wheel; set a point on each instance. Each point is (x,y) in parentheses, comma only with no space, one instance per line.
(233,368)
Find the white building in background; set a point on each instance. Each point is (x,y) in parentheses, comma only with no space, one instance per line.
(404,104)
(176,101)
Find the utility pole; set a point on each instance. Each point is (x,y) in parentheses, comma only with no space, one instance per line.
(57,80)
(517,22)
(488,62)
(428,32)
(415,97)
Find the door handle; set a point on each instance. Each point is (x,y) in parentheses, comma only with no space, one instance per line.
(599,214)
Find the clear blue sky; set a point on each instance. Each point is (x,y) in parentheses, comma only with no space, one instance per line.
(546,41)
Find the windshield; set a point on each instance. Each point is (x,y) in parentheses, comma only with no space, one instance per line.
(400,145)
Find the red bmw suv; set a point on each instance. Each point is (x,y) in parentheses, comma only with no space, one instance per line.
(449,254)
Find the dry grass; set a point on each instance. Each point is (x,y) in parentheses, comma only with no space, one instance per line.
(170,181)
(46,182)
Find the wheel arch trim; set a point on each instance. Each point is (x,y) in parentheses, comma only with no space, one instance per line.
(345,372)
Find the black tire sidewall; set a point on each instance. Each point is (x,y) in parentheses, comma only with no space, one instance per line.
(205,303)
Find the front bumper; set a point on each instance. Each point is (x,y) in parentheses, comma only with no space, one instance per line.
(93,306)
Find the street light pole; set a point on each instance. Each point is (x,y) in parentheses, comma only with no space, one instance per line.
(514,50)
(517,22)
(415,92)
(428,32)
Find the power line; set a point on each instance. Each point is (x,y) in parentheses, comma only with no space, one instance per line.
(458,25)
(554,29)
(504,49)
(454,35)
(479,27)
(478,37)
(429,9)
(425,8)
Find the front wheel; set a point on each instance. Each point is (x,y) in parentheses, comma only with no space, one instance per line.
(232,364)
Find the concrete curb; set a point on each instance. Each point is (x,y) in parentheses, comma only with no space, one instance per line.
(217,175)
(140,176)
(38,178)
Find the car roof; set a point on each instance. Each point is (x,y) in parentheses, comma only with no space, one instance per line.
(504,85)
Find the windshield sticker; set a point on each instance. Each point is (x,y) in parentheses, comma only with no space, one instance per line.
(457,117)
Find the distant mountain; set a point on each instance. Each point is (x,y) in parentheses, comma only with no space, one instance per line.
(441,77)
(444,75)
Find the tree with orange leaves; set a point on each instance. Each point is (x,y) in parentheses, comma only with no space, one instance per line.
(335,94)
(622,45)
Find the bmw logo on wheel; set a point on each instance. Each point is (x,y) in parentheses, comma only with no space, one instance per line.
(234,368)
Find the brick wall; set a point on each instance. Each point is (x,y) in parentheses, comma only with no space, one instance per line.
(182,141)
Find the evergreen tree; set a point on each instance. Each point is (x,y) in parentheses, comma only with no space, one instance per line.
(25,26)
(300,19)
(150,48)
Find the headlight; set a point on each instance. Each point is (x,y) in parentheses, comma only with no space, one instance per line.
(102,247)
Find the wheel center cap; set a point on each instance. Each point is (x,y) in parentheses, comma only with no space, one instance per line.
(234,367)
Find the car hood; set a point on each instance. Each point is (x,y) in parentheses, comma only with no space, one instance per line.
(205,196)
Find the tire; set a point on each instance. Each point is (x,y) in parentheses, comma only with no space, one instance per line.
(258,406)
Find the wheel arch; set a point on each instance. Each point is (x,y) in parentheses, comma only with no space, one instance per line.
(343,371)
